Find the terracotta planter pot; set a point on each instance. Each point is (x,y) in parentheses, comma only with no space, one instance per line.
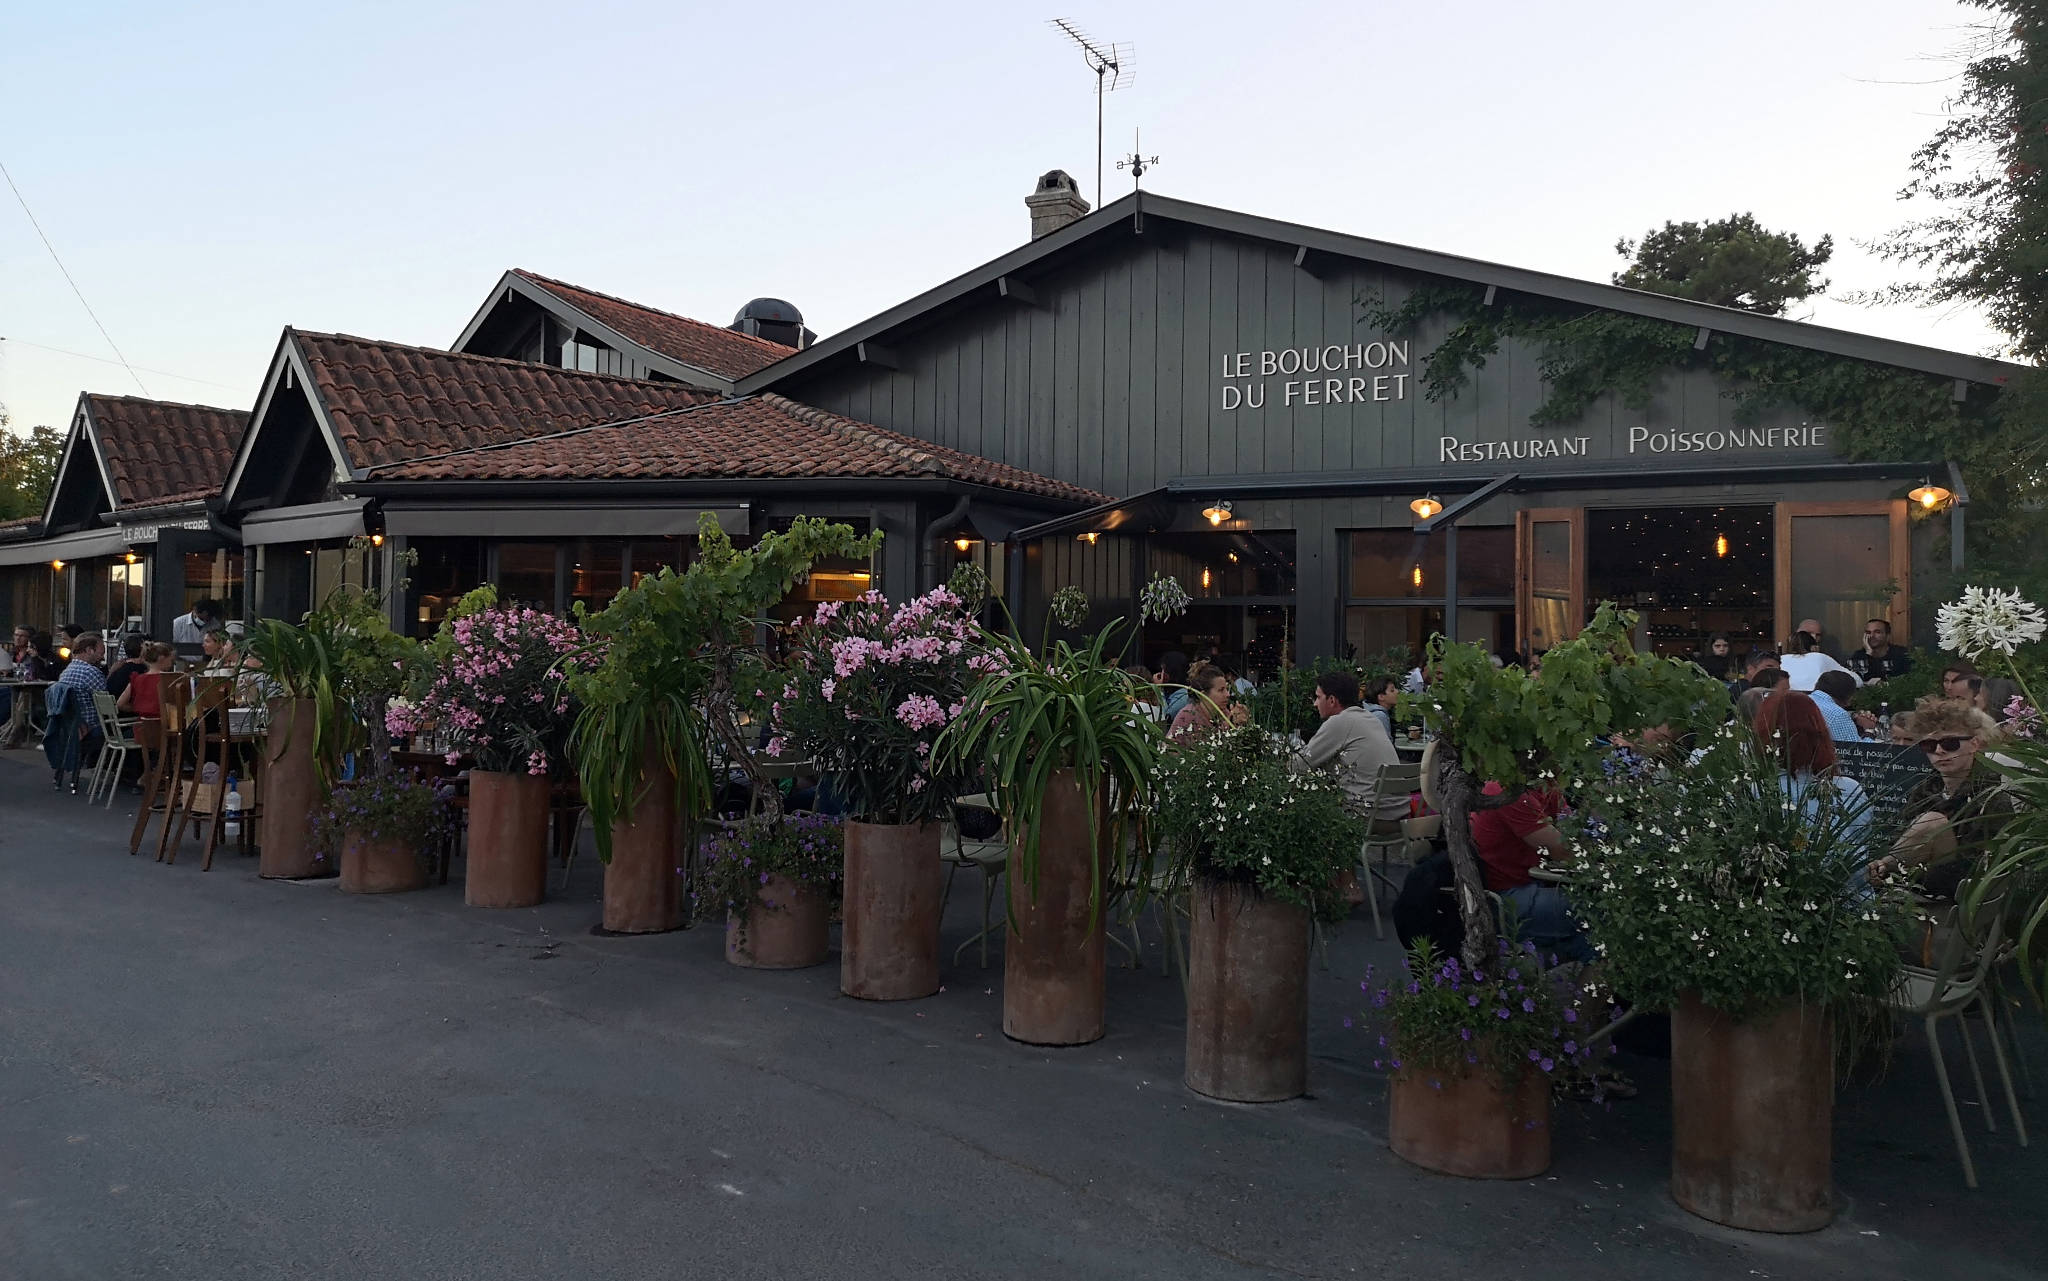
(380,867)
(643,888)
(889,941)
(1470,1125)
(508,840)
(1247,995)
(1053,957)
(291,793)
(789,928)
(1752,1117)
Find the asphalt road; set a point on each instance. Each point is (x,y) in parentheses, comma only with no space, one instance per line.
(210,1076)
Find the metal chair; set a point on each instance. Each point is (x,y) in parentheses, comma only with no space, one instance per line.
(1392,780)
(117,740)
(1962,978)
(990,856)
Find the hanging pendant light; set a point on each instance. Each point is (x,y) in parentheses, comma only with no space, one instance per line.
(1426,507)
(1930,496)
(1721,545)
(1415,576)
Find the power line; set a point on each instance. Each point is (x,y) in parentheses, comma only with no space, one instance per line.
(161,373)
(23,202)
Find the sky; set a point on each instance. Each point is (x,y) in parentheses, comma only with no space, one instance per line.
(211,172)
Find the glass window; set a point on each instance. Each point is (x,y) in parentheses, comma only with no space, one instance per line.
(1375,629)
(652,555)
(1841,573)
(1222,564)
(597,569)
(127,595)
(526,574)
(1393,564)
(215,575)
(448,568)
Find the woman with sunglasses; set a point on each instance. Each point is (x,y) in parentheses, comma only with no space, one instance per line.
(1952,815)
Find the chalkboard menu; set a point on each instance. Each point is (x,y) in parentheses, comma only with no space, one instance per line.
(1887,773)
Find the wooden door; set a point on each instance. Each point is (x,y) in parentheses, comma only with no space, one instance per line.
(1550,576)
(1842,563)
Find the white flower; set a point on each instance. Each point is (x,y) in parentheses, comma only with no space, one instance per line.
(1987,619)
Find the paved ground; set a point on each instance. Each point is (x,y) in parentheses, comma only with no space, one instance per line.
(212,1076)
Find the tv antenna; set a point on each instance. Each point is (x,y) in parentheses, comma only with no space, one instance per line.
(1136,162)
(1111,64)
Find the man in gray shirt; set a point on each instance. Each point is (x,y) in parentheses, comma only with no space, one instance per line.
(1352,741)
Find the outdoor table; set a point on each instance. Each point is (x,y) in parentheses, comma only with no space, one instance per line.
(20,721)
(1545,874)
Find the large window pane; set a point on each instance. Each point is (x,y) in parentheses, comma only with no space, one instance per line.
(596,570)
(215,575)
(1259,563)
(1486,562)
(1841,573)
(1393,563)
(448,568)
(526,574)
(1375,629)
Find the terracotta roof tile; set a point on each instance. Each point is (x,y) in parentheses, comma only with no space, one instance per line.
(159,452)
(753,437)
(720,351)
(391,403)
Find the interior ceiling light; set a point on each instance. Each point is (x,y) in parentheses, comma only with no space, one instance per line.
(963,544)
(1720,545)
(1426,506)
(1930,495)
(1217,512)
(1415,576)
(1206,579)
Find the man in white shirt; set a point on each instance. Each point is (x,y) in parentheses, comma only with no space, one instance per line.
(1350,739)
(1803,662)
(188,630)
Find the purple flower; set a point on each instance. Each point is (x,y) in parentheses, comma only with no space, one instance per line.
(1528,1005)
(1464,1033)
(1571,1047)
(1472,1001)
(1547,1064)
(1571,1016)
(1347,1020)
(1502,1011)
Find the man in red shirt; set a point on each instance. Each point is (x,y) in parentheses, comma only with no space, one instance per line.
(1511,840)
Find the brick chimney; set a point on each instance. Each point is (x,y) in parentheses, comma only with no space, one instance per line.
(1056,203)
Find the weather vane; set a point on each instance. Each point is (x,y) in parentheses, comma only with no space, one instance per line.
(1111,64)
(1137,162)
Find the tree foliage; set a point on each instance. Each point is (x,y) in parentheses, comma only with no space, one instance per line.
(28,464)
(1730,262)
(1985,239)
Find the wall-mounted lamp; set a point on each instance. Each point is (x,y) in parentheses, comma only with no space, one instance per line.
(57,565)
(1425,506)
(377,539)
(963,544)
(130,557)
(1217,512)
(1930,496)
(1090,537)
(1721,545)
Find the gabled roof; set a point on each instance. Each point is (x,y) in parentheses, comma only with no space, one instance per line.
(158,453)
(724,352)
(1144,213)
(691,351)
(753,437)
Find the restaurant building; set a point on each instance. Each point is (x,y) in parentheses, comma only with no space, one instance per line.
(1157,386)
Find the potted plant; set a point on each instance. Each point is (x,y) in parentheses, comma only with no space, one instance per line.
(327,678)
(1068,765)
(1723,889)
(869,690)
(1264,846)
(664,691)
(1471,1056)
(380,830)
(774,882)
(499,695)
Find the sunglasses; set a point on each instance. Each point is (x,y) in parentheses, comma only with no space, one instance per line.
(1951,744)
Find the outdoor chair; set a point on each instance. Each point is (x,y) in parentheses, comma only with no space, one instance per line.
(990,856)
(1392,780)
(117,740)
(1962,977)
(163,789)
(213,745)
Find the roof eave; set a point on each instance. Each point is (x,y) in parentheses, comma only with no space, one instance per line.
(1135,207)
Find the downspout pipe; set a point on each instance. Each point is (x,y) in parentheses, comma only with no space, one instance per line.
(928,556)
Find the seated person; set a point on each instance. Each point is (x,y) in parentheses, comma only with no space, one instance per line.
(1831,694)
(1952,816)
(1791,728)
(1510,840)
(1352,741)
(1215,706)
(143,694)
(1381,694)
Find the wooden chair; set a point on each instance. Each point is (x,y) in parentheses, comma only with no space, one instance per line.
(211,745)
(162,793)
